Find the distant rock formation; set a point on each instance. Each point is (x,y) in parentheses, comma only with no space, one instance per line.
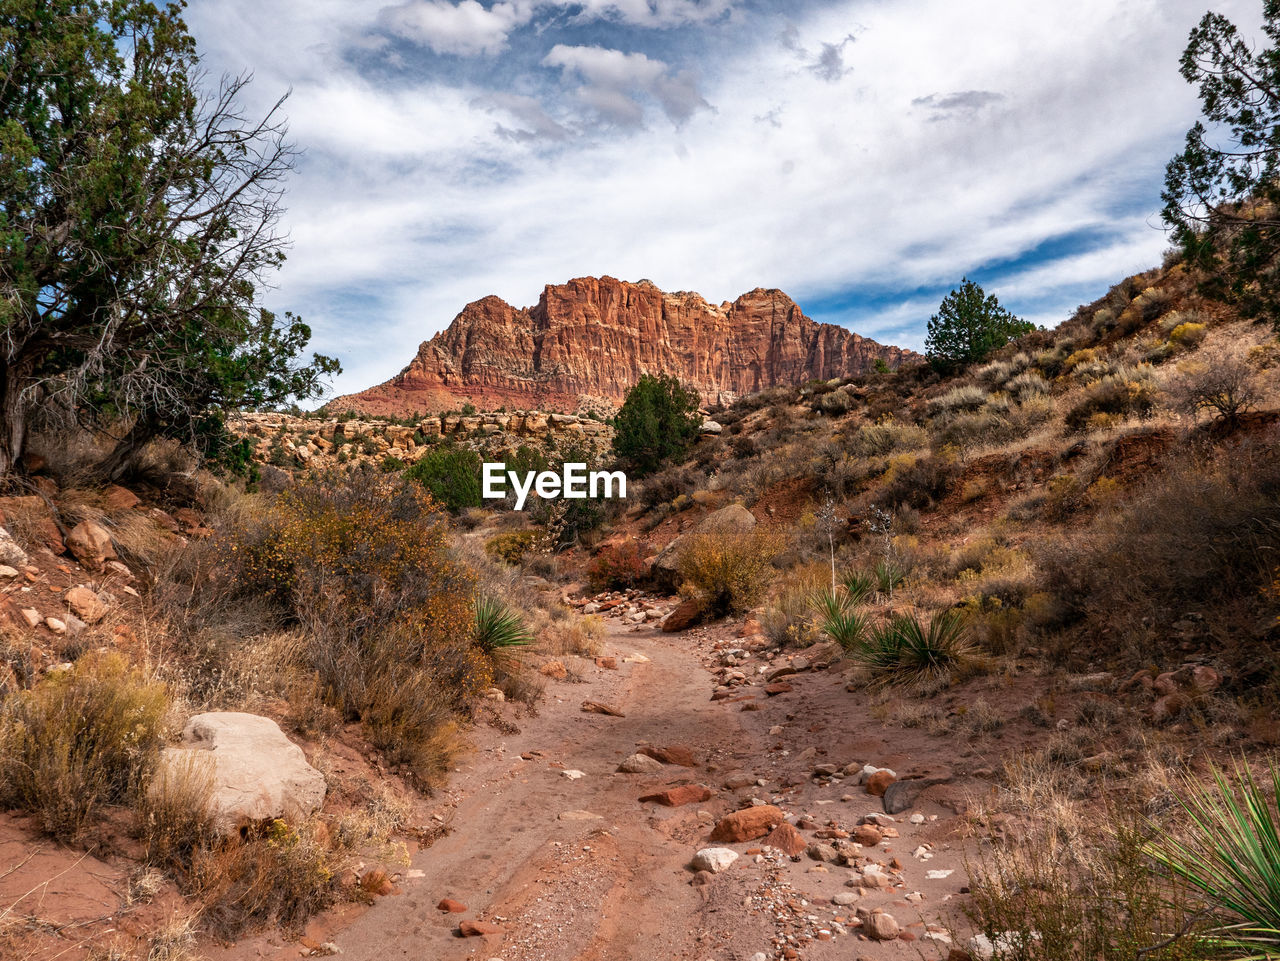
(592,338)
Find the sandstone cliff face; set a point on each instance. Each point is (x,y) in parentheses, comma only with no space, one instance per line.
(592,338)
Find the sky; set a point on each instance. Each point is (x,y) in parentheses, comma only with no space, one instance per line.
(862,156)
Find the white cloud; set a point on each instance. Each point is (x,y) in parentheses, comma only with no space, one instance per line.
(616,82)
(653,13)
(465,28)
(1030,122)
(468,28)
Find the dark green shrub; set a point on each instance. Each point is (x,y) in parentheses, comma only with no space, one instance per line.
(657,422)
(451,474)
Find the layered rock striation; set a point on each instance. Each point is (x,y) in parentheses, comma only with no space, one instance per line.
(592,338)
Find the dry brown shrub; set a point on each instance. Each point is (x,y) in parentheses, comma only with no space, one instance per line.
(729,573)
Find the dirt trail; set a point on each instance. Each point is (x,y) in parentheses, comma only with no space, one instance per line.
(577,869)
(606,887)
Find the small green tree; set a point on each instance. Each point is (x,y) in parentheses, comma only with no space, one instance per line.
(658,421)
(1222,193)
(451,474)
(969,325)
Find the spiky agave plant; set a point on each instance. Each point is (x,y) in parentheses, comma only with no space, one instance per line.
(906,651)
(1230,853)
(860,586)
(497,627)
(888,576)
(840,619)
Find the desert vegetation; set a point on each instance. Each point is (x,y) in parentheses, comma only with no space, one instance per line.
(1055,553)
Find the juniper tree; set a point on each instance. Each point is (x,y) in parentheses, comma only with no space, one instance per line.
(969,325)
(1222,192)
(139,219)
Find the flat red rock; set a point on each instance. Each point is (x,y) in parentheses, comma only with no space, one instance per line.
(678,796)
(671,754)
(478,929)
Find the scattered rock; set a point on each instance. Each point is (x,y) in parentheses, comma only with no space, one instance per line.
(31,616)
(679,796)
(257,772)
(86,604)
(572,774)
(596,707)
(671,754)
(554,670)
(821,852)
(90,544)
(119,498)
(714,860)
(786,839)
(748,824)
(7,572)
(452,907)
(880,926)
(55,625)
(478,929)
(687,613)
(782,687)
(879,782)
(640,764)
(11,554)
(868,835)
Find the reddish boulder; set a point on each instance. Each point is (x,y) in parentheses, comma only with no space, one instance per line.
(90,544)
(670,754)
(451,906)
(686,614)
(786,839)
(679,796)
(879,782)
(478,929)
(868,835)
(117,498)
(748,824)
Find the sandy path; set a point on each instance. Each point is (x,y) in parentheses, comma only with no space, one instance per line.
(612,887)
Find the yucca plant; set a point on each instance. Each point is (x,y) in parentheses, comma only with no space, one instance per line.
(1230,853)
(906,651)
(497,627)
(840,619)
(888,575)
(860,586)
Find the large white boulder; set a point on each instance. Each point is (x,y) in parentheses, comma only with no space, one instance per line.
(256,772)
(714,860)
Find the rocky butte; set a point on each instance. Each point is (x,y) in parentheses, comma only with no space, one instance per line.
(589,340)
